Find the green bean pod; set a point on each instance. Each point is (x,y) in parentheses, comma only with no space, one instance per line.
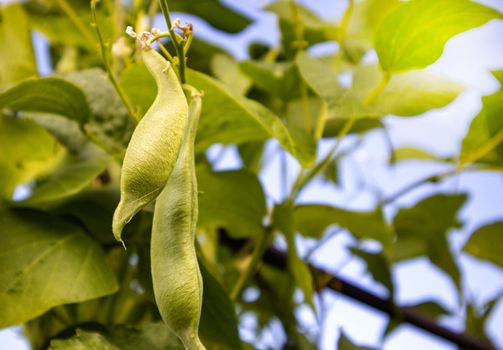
(154,145)
(175,271)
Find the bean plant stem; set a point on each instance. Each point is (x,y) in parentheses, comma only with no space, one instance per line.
(174,40)
(378,89)
(106,63)
(260,246)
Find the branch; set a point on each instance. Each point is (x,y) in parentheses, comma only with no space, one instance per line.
(279,259)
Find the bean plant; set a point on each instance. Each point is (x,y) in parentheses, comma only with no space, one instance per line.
(120,230)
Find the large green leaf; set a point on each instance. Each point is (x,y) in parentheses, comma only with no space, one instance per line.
(68,179)
(229,118)
(231,199)
(219,325)
(83,340)
(16,52)
(365,18)
(407,94)
(422,230)
(49,95)
(414,34)
(486,242)
(26,150)
(313,219)
(47,262)
(483,142)
(109,124)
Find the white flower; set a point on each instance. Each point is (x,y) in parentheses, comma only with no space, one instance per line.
(120,48)
(130,32)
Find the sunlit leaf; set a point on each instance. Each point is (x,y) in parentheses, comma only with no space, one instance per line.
(47,262)
(365,18)
(67,179)
(483,142)
(414,34)
(26,150)
(16,51)
(485,243)
(407,94)
(49,95)
(230,118)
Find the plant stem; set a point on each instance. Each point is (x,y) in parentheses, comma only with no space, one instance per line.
(176,44)
(260,247)
(378,89)
(303,178)
(111,75)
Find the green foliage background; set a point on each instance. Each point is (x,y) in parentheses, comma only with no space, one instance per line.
(63,276)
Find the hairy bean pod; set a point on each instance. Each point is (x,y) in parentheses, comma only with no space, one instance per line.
(175,271)
(154,145)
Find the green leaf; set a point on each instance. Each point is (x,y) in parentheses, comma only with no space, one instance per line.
(365,18)
(324,81)
(231,199)
(425,227)
(279,79)
(483,142)
(414,34)
(485,243)
(313,219)
(27,150)
(315,28)
(412,153)
(109,124)
(407,94)
(378,265)
(228,71)
(139,86)
(16,51)
(149,336)
(66,180)
(283,220)
(431,309)
(229,118)
(83,340)
(219,324)
(477,317)
(344,343)
(214,12)
(498,74)
(47,262)
(49,95)
(94,209)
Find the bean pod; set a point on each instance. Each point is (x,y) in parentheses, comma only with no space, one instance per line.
(175,271)
(154,145)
